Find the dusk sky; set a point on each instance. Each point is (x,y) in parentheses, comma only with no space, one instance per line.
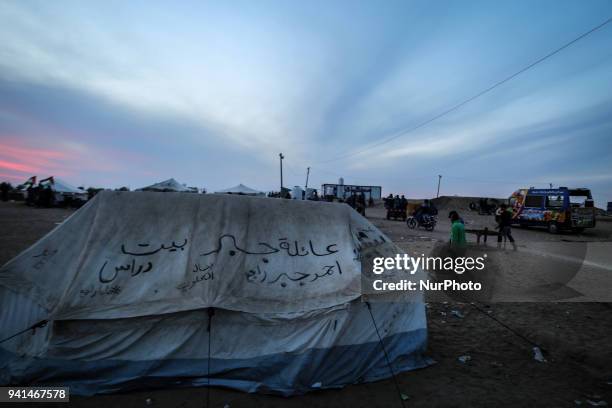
(117,93)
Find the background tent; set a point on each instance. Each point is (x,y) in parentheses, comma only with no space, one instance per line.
(60,186)
(129,287)
(63,191)
(240,189)
(170,185)
(31,182)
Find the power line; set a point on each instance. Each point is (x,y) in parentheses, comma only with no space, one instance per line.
(470,99)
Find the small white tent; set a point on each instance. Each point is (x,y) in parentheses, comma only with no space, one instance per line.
(265,295)
(170,185)
(60,186)
(240,189)
(63,190)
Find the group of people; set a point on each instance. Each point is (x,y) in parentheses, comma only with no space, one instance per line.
(395,203)
(485,207)
(503,217)
(40,196)
(358,202)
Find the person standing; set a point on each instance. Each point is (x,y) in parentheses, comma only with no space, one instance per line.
(361,204)
(457,234)
(396,202)
(4,189)
(505,225)
(352,200)
(389,202)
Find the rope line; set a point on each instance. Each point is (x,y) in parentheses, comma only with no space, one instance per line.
(484,312)
(399,392)
(510,329)
(211,313)
(35,326)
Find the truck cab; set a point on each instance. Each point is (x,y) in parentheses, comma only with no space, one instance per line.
(554,208)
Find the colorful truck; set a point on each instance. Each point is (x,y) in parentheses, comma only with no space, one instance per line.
(554,208)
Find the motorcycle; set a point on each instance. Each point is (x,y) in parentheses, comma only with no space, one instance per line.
(428,222)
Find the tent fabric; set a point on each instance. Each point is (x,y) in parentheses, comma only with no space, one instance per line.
(128,281)
(295,367)
(167,185)
(240,189)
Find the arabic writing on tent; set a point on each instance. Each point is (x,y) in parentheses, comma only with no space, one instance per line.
(139,259)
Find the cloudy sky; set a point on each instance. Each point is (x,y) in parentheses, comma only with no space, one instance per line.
(121,93)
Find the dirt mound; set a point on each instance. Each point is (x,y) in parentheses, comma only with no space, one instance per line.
(461,203)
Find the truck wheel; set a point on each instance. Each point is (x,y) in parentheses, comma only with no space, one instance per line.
(553,228)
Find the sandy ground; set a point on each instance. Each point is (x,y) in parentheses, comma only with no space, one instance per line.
(501,372)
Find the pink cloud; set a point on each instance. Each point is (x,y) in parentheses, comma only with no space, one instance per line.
(78,164)
(20,167)
(19,162)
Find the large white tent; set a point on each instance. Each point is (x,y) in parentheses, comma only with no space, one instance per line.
(185,290)
(240,189)
(167,185)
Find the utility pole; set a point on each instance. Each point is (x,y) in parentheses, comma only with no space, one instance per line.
(307,174)
(281,171)
(439,178)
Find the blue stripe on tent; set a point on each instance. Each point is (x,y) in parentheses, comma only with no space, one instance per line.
(282,373)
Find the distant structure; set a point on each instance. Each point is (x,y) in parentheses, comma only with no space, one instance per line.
(170,185)
(297,193)
(344,191)
(241,189)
